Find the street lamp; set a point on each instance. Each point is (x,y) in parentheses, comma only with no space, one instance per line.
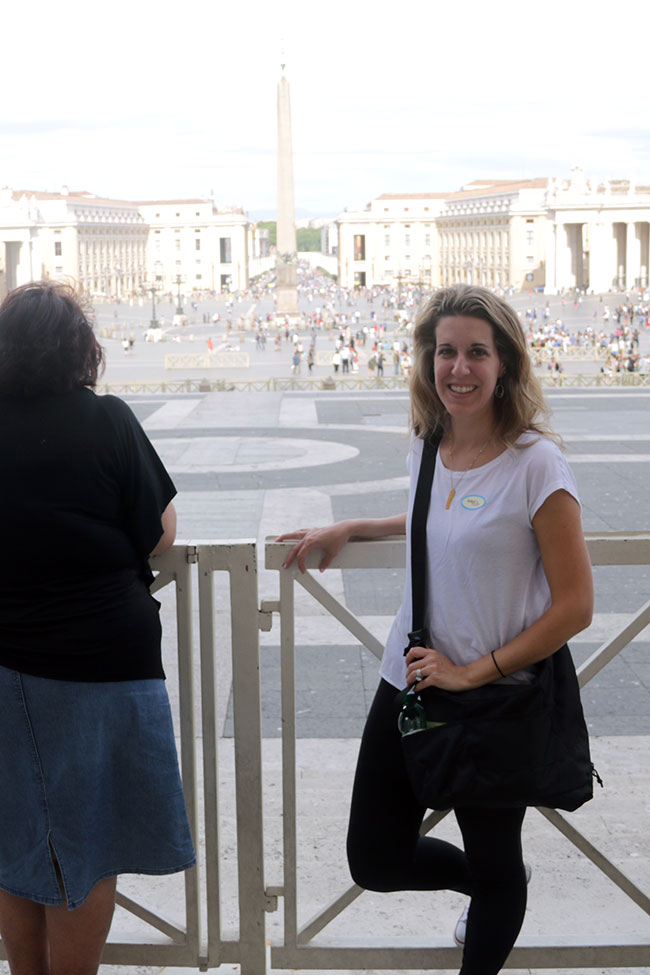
(180,278)
(156,272)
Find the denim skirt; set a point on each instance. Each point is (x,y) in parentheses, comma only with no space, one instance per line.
(90,781)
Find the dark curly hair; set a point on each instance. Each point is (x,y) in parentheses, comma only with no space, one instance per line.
(47,344)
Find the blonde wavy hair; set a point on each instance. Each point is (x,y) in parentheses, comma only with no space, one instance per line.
(522,406)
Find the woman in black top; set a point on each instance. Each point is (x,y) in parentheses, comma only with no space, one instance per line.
(88,763)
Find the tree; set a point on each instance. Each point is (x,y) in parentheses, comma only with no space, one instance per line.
(308,239)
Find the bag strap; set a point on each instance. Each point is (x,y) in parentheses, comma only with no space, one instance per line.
(419,541)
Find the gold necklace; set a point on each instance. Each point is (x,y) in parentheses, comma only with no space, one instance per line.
(452,493)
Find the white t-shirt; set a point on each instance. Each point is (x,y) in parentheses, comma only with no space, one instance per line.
(485,581)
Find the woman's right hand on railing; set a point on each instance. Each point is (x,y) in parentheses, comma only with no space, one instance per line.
(330,540)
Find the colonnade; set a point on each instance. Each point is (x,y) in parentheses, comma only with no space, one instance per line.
(599,255)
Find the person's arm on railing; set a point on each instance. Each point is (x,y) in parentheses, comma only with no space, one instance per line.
(332,538)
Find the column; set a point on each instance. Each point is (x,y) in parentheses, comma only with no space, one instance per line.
(632,256)
(644,234)
(563,276)
(601,270)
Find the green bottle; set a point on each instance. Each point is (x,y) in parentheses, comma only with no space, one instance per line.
(412,718)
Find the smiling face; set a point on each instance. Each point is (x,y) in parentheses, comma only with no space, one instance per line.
(466,367)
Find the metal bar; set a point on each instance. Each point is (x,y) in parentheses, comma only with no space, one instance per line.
(597,858)
(248,759)
(601,657)
(162,955)
(177,935)
(618,548)
(340,612)
(380,553)
(337,906)
(162,579)
(187,740)
(333,909)
(437,955)
(287,654)
(209,731)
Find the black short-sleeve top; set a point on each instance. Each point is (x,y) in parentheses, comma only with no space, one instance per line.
(82,492)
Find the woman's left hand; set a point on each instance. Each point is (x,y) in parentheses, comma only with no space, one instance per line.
(436,670)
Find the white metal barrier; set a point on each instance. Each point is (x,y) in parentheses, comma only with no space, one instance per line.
(306,947)
(172,945)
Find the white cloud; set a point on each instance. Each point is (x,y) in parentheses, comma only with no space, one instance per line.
(157,100)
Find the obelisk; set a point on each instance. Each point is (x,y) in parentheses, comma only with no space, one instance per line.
(287,276)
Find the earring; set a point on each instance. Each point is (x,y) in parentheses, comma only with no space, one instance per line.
(499,391)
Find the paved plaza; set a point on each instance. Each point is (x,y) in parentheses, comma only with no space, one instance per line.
(147,361)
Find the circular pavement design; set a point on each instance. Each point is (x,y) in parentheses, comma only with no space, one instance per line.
(239,454)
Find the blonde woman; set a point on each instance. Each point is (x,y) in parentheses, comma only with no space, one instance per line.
(508,583)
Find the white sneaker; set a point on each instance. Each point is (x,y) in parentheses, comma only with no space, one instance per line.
(461,925)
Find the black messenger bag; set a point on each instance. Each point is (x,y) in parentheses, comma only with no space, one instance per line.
(520,744)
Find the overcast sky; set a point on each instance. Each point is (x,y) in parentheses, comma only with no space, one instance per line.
(139,101)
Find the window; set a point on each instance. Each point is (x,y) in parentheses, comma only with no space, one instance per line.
(58,248)
(197,244)
(427,240)
(178,243)
(386,240)
(530,238)
(359,247)
(225,250)
(407,240)
(199,277)
(58,270)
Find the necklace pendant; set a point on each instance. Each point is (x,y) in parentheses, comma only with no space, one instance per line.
(452,495)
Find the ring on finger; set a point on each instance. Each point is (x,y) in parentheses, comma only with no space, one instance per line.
(419,675)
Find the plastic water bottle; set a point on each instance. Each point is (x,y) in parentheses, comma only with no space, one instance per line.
(412,718)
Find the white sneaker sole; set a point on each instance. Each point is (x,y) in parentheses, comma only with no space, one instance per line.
(461,925)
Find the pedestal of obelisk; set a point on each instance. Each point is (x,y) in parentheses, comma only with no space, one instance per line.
(287,272)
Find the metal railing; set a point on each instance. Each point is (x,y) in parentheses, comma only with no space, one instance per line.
(305,947)
(193,568)
(346,382)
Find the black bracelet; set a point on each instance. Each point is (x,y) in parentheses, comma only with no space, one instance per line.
(496,664)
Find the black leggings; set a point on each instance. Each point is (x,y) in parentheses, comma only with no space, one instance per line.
(386,851)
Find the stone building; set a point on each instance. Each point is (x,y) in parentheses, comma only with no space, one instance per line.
(394,239)
(597,235)
(191,240)
(541,233)
(98,244)
(114,248)
(492,233)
